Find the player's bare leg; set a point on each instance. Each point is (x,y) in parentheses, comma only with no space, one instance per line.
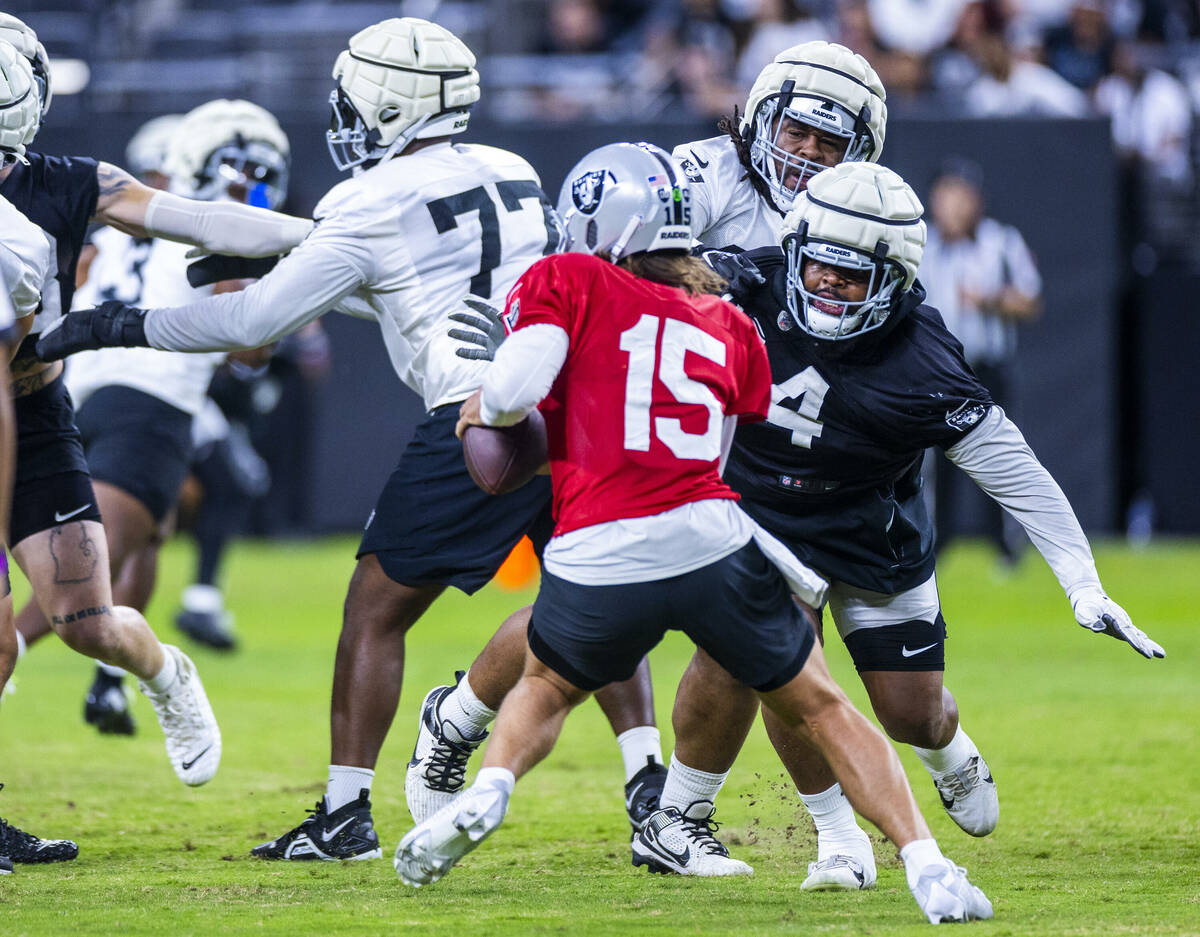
(455,719)
(8,641)
(67,568)
(528,725)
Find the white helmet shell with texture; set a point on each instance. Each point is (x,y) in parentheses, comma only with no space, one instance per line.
(26,41)
(400,80)
(861,217)
(821,84)
(147,149)
(229,146)
(625,198)
(20,113)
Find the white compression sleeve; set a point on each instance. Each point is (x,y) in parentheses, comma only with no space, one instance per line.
(526,364)
(224,227)
(1000,462)
(303,286)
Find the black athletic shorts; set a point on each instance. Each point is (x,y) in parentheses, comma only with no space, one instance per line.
(913,645)
(433,525)
(52,485)
(137,443)
(738,609)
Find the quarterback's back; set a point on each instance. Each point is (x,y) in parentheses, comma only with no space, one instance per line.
(431,227)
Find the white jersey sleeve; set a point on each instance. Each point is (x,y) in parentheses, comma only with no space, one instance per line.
(26,260)
(401,243)
(727,210)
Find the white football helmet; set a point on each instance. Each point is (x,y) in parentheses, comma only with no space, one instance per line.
(399,81)
(20,110)
(232,151)
(147,149)
(624,198)
(860,216)
(821,84)
(26,41)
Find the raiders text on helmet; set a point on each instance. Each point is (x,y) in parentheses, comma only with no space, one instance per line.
(400,80)
(860,216)
(20,112)
(625,198)
(821,84)
(26,41)
(229,149)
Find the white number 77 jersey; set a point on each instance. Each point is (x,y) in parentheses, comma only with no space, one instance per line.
(434,226)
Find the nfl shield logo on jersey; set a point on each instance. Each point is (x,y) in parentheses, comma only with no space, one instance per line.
(587,190)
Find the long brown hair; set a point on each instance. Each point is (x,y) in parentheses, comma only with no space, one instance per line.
(731,125)
(674,268)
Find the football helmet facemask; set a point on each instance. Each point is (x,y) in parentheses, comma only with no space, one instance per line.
(825,86)
(400,80)
(20,110)
(232,151)
(26,42)
(860,217)
(624,198)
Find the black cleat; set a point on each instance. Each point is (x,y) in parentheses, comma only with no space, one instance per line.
(19,846)
(642,793)
(107,707)
(208,628)
(5,865)
(347,833)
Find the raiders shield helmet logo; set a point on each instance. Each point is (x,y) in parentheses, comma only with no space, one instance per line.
(587,190)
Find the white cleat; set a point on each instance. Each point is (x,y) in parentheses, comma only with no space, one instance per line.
(192,735)
(432,849)
(969,795)
(677,843)
(437,770)
(844,866)
(946,896)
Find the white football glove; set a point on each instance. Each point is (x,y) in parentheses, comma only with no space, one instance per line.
(1097,612)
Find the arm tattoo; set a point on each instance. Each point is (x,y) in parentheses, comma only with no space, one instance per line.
(27,384)
(82,613)
(113,181)
(74,554)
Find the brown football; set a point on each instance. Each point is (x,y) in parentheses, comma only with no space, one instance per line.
(503,458)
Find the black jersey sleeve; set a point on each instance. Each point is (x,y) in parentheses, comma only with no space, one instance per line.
(74,180)
(933,397)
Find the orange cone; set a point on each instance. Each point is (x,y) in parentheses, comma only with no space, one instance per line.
(520,570)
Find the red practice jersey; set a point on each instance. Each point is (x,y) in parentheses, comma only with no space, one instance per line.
(634,420)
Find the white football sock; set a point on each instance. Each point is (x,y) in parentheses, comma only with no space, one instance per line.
(500,778)
(918,856)
(639,745)
(22,647)
(463,709)
(165,677)
(835,821)
(345,784)
(685,786)
(109,668)
(954,755)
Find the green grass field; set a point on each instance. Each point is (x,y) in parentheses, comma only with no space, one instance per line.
(1096,753)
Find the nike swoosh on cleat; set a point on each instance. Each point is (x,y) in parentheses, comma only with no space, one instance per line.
(327,835)
(188,764)
(59,518)
(921,650)
(679,857)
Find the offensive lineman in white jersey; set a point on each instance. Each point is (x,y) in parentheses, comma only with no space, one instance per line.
(422,223)
(135,406)
(816,105)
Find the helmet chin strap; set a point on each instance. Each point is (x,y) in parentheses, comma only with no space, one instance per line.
(618,249)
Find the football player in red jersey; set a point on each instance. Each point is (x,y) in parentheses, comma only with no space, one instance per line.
(641,379)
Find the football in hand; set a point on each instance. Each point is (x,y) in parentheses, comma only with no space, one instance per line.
(503,458)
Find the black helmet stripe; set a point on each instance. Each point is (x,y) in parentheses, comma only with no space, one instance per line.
(862,214)
(668,165)
(460,73)
(836,71)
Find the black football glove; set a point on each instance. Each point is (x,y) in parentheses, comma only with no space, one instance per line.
(738,271)
(109,325)
(217,267)
(483,335)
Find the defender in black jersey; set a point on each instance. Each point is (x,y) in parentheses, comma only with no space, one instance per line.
(866,378)
(55,530)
